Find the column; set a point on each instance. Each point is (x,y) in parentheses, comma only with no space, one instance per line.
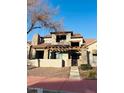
(33,53)
(45,53)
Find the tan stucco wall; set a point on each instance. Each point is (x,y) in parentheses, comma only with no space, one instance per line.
(83,56)
(46,62)
(45,53)
(35,39)
(65,58)
(33,52)
(68,37)
(33,62)
(67,62)
(92,46)
(77,39)
(53,40)
(48,40)
(50,63)
(28,49)
(93,59)
(82,59)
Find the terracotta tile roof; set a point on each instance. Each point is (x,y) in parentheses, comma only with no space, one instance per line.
(89,41)
(76,36)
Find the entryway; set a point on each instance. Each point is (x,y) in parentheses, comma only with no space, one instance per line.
(75,57)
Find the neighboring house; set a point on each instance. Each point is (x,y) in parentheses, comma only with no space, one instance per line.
(91,45)
(59,49)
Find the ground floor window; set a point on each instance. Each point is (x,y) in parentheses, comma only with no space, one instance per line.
(39,54)
(53,55)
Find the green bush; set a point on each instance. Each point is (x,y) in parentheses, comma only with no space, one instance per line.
(92,75)
(85,66)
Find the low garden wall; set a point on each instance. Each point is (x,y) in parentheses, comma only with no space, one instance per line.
(50,62)
(53,62)
(45,62)
(33,62)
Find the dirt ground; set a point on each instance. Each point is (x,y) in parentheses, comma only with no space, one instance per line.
(49,72)
(88,74)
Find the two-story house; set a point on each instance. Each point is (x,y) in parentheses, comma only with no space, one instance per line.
(58,49)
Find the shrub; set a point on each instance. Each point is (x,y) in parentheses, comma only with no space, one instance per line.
(92,75)
(85,66)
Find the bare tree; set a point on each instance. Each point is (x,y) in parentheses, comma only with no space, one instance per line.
(40,14)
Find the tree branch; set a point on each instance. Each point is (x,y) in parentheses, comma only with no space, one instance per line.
(36,27)
(32,28)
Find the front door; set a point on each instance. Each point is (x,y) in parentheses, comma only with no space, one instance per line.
(74,62)
(75,57)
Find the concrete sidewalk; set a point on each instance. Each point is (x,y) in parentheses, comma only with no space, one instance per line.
(74,73)
(63,84)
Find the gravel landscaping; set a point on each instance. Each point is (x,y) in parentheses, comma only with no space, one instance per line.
(49,72)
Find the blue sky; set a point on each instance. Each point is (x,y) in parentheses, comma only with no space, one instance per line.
(80,16)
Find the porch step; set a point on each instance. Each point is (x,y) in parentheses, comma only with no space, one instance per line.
(74,73)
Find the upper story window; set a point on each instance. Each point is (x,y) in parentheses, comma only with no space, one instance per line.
(74,44)
(60,38)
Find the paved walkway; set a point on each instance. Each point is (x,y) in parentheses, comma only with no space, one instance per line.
(74,73)
(63,84)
